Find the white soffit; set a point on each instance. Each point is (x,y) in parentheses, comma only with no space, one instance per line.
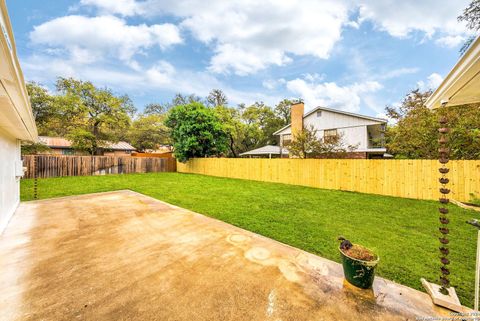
(462,84)
(16,117)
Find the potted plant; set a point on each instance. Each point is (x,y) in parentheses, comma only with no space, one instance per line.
(358,263)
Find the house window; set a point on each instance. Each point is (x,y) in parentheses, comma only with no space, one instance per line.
(330,135)
(319,113)
(286,139)
(68,152)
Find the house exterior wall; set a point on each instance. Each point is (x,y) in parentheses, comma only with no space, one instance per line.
(355,136)
(9,182)
(16,119)
(353,129)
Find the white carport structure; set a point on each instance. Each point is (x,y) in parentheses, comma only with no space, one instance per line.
(460,87)
(16,120)
(267,151)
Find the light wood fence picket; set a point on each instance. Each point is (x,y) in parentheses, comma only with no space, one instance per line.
(403,178)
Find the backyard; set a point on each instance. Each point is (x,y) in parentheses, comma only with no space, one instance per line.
(402,231)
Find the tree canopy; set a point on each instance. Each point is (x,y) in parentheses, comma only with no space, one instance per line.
(87,115)
(100,116)
(415,132)
(196,131)
(217,98)
(148,132)
(471,16)
(97,115)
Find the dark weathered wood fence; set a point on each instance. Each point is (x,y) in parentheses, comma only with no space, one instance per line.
(54,166)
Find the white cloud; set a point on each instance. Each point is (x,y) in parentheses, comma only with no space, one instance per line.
(249,35)
(161,73)
(400,18)
(394,73)
(242,37)
(450,41)
(122,7)
(433,81)
(242,61)
(88,40)
(161,77)
(273,83)
(313,77)
(329,94)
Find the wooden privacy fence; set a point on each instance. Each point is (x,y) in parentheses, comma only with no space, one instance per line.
(53,166)
(402,178)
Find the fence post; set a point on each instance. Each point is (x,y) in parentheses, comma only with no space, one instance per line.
(35,180)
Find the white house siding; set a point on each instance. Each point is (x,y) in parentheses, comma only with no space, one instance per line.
(328,118)
(353,129)
(355,136)
(9,183)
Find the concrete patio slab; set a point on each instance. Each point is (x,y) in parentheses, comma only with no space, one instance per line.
(125,256)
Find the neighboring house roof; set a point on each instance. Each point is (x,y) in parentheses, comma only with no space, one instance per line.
(379,120)
(55,142)
(266,150)
(462,84)
(60,142)
(121,145)
(16,117)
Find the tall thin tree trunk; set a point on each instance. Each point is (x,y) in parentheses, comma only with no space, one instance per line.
(231,146)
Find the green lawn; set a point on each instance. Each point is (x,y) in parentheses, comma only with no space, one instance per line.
(402,231)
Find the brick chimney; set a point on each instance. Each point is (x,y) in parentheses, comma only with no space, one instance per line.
(297,118)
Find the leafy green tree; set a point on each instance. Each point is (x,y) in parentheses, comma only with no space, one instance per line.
(464,122)
(96,111)
(261,122)
(306,144)
(217,98)
(283,111)
(415,133)
(148,132)
(30,148)
(47,110)
(196,131)
(156,109)
(83,140)
(471,15)
(180,99)
(253,126)
(234,127)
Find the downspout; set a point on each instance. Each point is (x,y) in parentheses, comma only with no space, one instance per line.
(444,154)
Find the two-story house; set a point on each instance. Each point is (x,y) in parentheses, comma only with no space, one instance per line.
(364,132)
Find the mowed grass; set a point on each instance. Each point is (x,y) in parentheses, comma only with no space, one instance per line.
(403,232)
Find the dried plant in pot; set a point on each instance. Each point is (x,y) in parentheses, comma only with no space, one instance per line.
(358,263)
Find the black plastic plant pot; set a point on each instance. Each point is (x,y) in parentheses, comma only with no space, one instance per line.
(357,272)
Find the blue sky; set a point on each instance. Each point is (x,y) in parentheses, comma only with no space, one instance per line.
(352,55)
